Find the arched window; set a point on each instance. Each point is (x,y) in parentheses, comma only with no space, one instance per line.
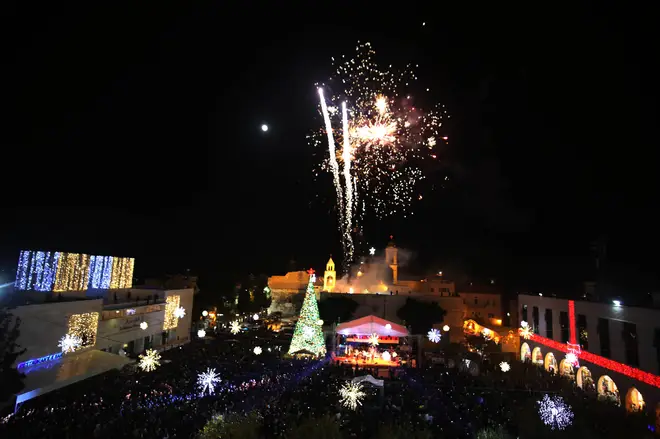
(537,356)
(525,353)
(583,378)
(607,389)
(550,363)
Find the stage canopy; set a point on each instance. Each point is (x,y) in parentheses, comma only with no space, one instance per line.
(371,324)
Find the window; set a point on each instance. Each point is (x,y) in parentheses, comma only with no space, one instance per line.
(604,333)
(548,323)
(524,313)
(630,343)
(535,316)
(565,326)
(583,337)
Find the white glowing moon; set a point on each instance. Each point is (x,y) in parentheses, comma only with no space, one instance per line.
(264,128)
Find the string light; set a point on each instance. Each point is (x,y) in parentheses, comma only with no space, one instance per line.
(84,326)
(171,304)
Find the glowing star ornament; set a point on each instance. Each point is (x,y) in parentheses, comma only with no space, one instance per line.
(144,326)
(525,331)
(257,350)
(571,358)
(255,317)
(504,366)
(434,335)
(149,361)
(180,312)
(373,339)
(201,333)
(555,413)
(372,251)
(351,395)
(69,343)
(206,381)
(235,327)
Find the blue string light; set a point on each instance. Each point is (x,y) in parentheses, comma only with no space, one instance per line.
(38,270)
(21,273)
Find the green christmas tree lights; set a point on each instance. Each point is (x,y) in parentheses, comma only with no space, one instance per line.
(308,335)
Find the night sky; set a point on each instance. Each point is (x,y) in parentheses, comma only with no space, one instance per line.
(136,132)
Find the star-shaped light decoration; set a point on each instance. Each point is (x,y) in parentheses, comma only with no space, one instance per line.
(235,327)
(372,251)
(69,343)
(180,312)
(351,395)
(201,333)
(555,413)
(525,331)
(571,358)
(206,381)
(504,366)
(434,335)
(144,326)
(373,339)
(257,350)
(150,360)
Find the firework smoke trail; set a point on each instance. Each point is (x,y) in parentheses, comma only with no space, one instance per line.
(335,172)
(346,157)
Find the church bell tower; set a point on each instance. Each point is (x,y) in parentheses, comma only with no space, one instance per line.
(391,259)
(330,276)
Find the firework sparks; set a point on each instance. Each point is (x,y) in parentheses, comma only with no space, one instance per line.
(150,360)
(351,395)
(69,343)
(235,327)
(555,413)
(206,381)
(386,140)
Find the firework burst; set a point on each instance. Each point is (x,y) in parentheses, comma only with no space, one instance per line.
(351,395)
(385,142)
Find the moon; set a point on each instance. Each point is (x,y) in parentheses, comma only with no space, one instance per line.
(264,128)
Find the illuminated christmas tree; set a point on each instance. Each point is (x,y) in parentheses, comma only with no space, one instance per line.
(308,335)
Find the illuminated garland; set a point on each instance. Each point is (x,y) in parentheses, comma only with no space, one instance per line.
(84,326)
(171,319)
(59,272)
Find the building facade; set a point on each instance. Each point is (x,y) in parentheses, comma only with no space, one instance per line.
(616,347)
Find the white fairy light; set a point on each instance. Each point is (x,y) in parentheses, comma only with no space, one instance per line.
(505,366)
(180,312)
(206,381)
(257,350)
(235,327)
(69,343)
(351,395)
(555,413)
(150,360)
(434,335)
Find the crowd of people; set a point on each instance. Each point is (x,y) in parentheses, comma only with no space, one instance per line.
(442,400)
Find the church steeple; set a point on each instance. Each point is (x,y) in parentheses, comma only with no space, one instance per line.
(330,276)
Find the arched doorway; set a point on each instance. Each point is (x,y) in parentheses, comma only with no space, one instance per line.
(634,400)
(583,378)
(525,353)
(608,390)
(537,356)
(550,363)
(566,369)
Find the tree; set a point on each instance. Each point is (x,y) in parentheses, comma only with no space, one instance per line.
(308,335)
(325,427)
(337,309)
(232,426)
(390,431)
(11,379)
(492,433)
(420,316)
